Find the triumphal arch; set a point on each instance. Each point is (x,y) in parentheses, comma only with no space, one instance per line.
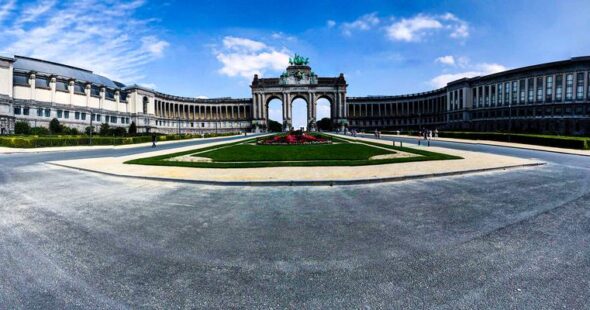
(299,81)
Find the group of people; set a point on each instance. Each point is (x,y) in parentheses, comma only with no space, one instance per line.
(428,134)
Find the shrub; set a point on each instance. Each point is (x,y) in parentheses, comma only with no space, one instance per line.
(39,131)
(54,126)
(89,130)
(22,128)
(104,129)
(546,140)
(119,131)
(132,129)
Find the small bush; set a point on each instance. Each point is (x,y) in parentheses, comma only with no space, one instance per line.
(132,129)
(22,128)
(39,131)
(55,127)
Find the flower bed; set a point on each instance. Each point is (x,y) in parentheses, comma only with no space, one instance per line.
(292,139)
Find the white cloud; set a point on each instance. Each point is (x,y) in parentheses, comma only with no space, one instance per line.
(242,44)
(476,70)
(6,8)
(32,12)
(202,97)
(416,28)
(446,60)
(330,23)
(105,37)
(363,23)
(244,57)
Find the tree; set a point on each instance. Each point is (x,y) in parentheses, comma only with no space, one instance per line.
(104,129)
(325,124)
(22,128)
(89,130)
(54,126)
(132,129)
(119,131)
(39,131)
(274,126)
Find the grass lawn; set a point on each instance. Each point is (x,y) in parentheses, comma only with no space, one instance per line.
(250,152)
(245,154)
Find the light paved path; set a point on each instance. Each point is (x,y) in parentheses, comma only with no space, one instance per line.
(471,161)
(517,239)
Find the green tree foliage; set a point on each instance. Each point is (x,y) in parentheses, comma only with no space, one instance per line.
(325,124)
(274,126)
(22,128)
(132,129)
(89,130)
(55,127)
(104,129)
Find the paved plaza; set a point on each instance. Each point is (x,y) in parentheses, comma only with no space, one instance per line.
(509,239)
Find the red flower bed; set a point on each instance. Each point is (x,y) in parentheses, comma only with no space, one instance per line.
(294,139)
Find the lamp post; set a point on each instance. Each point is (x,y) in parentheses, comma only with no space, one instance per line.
(509,121)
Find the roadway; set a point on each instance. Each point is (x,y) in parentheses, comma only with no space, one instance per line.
(511,239)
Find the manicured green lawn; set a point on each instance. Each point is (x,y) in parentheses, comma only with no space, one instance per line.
(244,154)
(250,152)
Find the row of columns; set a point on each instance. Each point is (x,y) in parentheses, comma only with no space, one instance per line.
(436,105)
(538,89)
(202,112)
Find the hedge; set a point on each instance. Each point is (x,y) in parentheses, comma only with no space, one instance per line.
(579,143)
(47,141)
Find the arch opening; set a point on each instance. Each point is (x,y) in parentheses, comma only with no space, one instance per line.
(274,108)
(299,113)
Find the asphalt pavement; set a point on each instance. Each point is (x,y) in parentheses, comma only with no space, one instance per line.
(515,239)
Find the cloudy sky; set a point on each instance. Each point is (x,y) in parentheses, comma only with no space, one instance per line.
(213,48)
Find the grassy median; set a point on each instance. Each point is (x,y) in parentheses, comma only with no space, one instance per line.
(248,154)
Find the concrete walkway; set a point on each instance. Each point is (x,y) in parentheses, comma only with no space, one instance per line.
(505,144)
(471,162)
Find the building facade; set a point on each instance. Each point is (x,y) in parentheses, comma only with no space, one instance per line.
(546,98)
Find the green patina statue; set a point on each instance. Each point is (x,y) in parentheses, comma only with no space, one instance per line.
(298,61)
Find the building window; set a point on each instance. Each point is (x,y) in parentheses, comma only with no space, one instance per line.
(47,112)
(522,91)
(61,85)
(515,92)
(559,87)
(507,92)
(66,114)
(41,83)
(17,111)
(493,93)
(83,116)
(122,120)
(540,89)
(500,89)
(26,111)
(549,89)
(110,94)
(20,80)
(59,113)
(95,91)
(531,90)
(79,88)
(580,86)
(77,115)
(113,119)
(39,112)
(588,83)
(123,96)
(569,87)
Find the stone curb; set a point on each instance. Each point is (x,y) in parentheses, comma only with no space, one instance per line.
(306,182)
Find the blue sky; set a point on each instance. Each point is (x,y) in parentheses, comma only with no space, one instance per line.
(212,48)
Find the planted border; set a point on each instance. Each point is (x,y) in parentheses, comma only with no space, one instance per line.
(162,159)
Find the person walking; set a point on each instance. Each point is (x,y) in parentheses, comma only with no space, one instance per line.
(154,139)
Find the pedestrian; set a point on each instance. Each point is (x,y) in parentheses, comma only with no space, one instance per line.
(436,133)
(154,139)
